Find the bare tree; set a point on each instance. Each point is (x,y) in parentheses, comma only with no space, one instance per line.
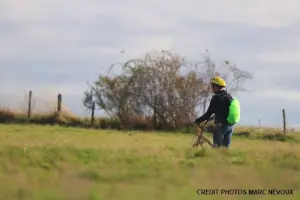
(161,86)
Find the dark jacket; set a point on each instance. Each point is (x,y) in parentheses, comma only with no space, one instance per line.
(219,105)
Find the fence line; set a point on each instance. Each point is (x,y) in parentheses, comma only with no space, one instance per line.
(58,107)
(92,117)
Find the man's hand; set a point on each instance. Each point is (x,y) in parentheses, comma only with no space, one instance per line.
(212,117)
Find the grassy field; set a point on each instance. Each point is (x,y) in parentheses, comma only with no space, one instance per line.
(51,162)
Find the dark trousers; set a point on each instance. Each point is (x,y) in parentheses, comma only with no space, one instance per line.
(222,135)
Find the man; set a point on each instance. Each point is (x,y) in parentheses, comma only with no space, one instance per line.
(219,105)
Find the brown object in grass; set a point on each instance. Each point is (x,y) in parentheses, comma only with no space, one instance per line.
(201,139)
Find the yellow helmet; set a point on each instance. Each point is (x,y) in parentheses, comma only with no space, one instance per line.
(218,81)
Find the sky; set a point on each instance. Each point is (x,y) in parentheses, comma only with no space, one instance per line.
(56,46)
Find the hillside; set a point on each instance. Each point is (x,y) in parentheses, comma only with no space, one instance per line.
(52,162)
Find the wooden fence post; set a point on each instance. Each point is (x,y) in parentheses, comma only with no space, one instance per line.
(284,121)
(59,100)
(93,114)
(29,105)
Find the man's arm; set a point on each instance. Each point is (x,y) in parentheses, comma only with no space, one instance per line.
(208,113)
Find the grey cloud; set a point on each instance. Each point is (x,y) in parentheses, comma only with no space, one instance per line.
(51,72)
(70,40)
(255,107)
(258,40)
(274,75)
(290,82)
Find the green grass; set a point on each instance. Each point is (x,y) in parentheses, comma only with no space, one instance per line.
(51,162)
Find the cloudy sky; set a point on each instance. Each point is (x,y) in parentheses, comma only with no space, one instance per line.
(53,46)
